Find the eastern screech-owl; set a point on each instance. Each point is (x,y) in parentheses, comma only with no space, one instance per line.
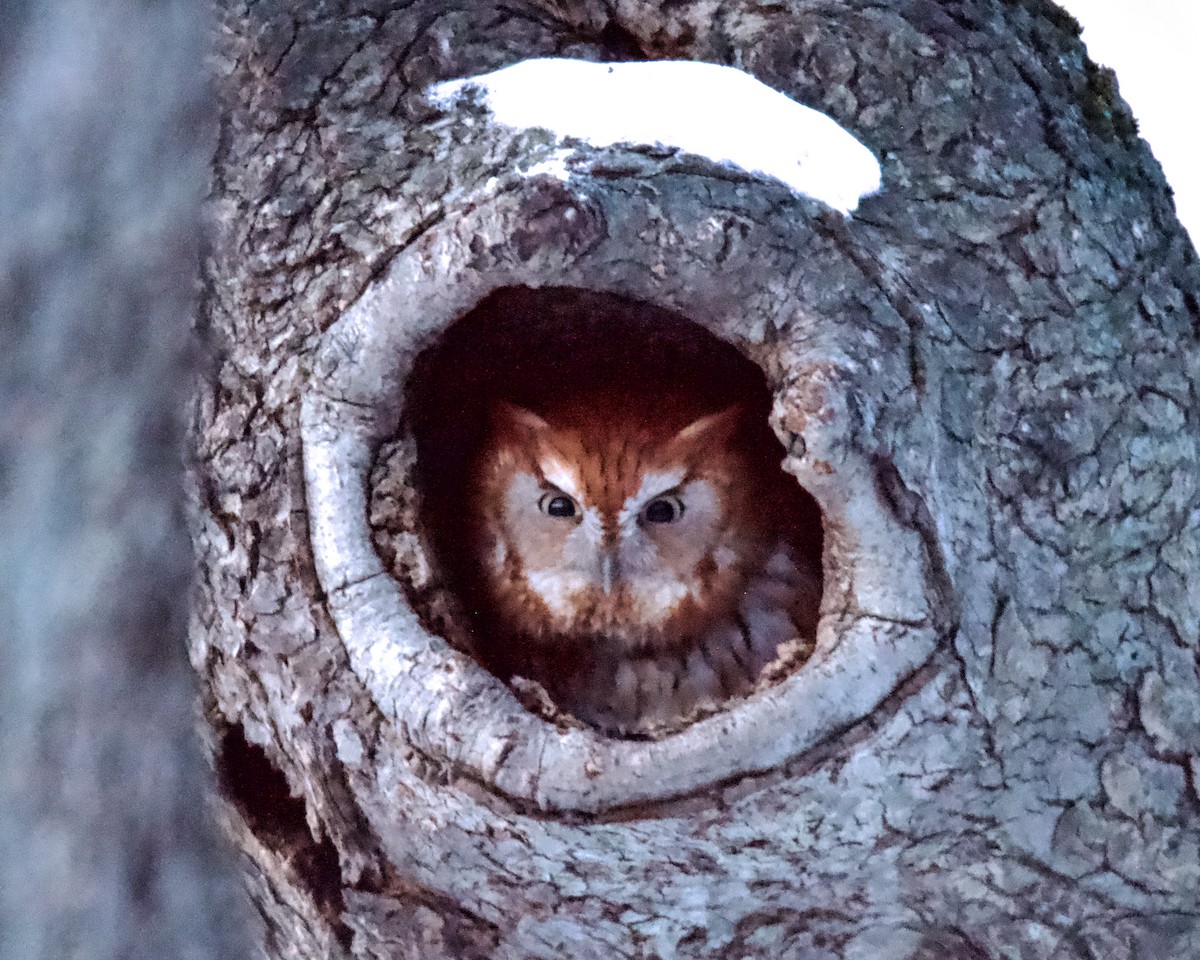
(643,567)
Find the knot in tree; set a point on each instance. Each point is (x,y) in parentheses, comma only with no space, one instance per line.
(617,544)
(632,550)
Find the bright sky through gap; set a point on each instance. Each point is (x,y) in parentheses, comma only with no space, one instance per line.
(1152,46)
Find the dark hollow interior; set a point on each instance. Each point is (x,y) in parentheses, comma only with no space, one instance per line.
(525,345)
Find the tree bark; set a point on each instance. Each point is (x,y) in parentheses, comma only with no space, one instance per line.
(987,377)
(105,848)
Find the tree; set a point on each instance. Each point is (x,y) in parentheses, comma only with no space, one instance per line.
(105,850)
(987,378)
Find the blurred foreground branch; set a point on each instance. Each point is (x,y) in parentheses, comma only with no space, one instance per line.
(105,849)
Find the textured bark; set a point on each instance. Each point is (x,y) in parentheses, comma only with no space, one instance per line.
(988,378)
(105,847)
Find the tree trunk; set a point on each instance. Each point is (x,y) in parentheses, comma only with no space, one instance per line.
(987,377)
(106,852)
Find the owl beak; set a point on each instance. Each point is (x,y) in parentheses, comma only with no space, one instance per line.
(608,572)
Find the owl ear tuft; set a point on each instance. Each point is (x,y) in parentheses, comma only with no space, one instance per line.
(715,429)
(515,421)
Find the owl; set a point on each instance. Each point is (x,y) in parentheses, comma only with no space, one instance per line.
(641,562)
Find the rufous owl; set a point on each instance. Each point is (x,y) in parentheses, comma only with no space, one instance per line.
(642,566)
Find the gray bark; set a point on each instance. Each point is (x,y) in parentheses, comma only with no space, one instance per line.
(105,847)
(987,377)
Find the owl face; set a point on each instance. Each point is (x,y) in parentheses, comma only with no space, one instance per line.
(614,530)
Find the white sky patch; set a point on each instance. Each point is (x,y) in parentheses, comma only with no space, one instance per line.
(1151,44)
(717,112)
(554,165)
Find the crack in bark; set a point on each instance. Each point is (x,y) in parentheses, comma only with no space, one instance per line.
(260,792)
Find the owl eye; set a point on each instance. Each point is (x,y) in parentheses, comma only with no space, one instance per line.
(557,505)
(663,510)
